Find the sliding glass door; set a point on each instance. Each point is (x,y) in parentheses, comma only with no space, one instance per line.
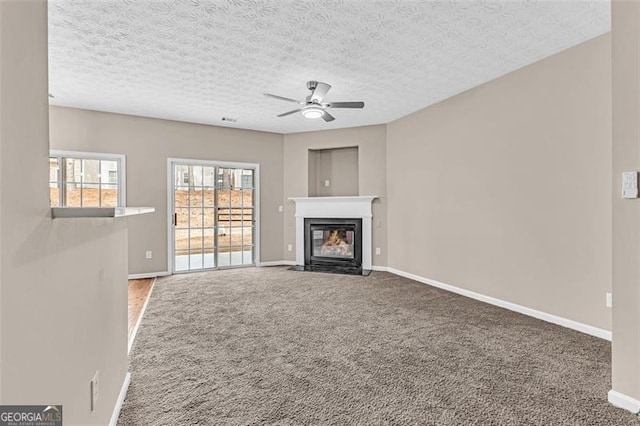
(213,215)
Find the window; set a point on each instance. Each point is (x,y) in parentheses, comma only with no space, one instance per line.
(85,179)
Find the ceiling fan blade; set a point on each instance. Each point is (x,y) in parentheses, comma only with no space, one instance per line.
(282,98)
(320,91)
(289,112)
(327,117)
(345,105)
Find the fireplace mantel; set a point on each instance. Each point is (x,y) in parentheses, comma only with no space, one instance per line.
(328,207)
(335,208)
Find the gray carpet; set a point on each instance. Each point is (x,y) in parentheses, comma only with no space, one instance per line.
(272,346)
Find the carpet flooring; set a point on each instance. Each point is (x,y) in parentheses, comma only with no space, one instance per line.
(272,346)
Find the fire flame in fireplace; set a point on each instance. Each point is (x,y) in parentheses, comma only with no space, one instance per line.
(336,245)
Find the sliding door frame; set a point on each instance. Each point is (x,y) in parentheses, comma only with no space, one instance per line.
(171,161)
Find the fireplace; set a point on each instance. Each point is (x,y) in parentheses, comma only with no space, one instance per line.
(333,243)
(341,237)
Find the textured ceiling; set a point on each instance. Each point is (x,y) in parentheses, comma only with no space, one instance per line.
(201,60)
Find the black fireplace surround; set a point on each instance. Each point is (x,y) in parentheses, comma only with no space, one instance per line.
(333,244)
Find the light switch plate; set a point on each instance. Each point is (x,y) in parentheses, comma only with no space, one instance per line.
(630,185)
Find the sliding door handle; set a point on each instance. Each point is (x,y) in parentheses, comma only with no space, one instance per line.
(175,219)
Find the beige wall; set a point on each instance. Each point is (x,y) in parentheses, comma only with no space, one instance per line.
(626,212)
(504,190)
(148,143)
(339,166)
(63,303)
(371,143)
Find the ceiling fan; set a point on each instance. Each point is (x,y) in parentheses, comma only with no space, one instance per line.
(312,106)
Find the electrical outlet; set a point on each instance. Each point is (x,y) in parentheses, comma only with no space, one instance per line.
(290,247)
(280,209)
(377,251)
(95,390)
(327,183)
(148,254)
(609,300)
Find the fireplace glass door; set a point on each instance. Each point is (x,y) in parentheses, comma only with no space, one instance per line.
(334,242)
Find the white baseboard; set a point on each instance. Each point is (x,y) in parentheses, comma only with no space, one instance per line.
(120,401)
(277,263)
(621,400)
(148,275)
(578,326)
(380,268)
(134,332)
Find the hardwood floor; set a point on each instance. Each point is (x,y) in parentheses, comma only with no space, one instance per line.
(139,291)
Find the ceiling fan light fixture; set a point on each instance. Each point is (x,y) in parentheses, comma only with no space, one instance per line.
(312,112)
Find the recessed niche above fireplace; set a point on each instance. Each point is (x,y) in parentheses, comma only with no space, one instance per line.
(333,172)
